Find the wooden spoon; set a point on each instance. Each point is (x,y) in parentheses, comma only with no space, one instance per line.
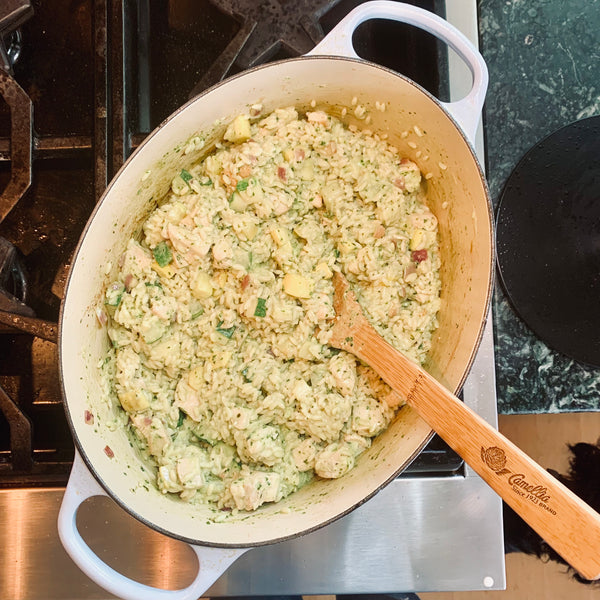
(567,523)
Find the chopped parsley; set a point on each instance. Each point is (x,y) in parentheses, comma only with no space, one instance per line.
(162,254)
(242,185)
(227,332)
(261,308)
(181,419)
(114,294)
(186,175)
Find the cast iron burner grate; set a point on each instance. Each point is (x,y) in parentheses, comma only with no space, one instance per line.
(92,79)
(274,26)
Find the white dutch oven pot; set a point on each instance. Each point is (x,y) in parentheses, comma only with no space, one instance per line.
(332,75)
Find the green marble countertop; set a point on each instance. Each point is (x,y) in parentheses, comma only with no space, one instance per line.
(544,62)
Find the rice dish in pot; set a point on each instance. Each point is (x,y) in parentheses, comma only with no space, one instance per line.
(220,311)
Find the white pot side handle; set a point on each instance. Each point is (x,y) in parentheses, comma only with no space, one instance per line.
(467,111)
(213,562)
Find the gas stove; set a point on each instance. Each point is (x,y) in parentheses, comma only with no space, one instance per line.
(83,82)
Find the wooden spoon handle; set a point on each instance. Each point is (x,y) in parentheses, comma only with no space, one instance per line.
(560,517)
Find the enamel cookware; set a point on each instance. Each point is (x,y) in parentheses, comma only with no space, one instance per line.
(436,135)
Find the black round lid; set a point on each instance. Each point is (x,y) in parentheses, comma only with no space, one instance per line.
(548,240)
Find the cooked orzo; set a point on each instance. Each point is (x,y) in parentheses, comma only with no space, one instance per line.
(220,312)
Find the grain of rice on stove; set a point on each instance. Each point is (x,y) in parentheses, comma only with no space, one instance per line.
(220,313)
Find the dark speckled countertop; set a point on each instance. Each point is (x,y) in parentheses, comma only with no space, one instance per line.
(544,63)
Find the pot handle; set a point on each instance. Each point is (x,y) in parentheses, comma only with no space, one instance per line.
(466,111)
(212,561)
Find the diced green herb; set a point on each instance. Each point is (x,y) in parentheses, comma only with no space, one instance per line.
(115,300)
(245,375)
(197,313)
(162,254)
(186,176)
(114,293)
(207,181)
(242,185)
(261,308)
(181,419)
(227,332)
